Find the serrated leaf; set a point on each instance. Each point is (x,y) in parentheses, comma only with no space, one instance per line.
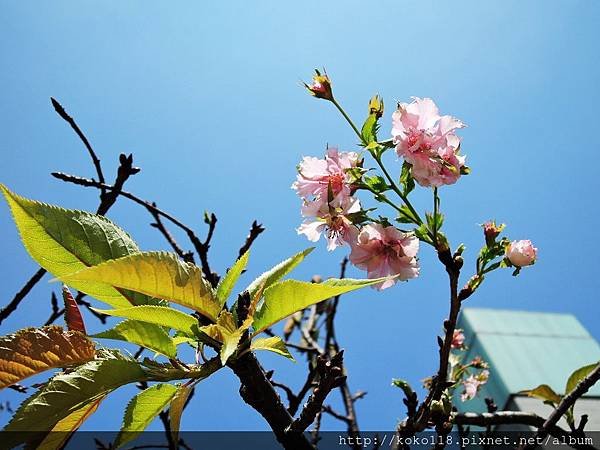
(578,375)
(176,409)
(227,283)
(159,315)
(158,274)
(142,409)
(273,344)
(284,298)
(62,431)
(277,272)
(145,334)
(73,317)
(64,241)
(369,129)
(66,393)
(376,184)
(227,333)
(34,350)
(545,393)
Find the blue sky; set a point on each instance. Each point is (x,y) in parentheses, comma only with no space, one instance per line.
(206,95)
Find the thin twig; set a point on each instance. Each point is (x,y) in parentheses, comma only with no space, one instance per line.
(255,230)
(19,296)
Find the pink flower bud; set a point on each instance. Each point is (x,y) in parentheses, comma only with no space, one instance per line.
(492,231)
(458,339)
(321,86)
(521,253)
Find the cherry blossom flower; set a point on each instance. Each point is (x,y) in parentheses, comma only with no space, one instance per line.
(316,176)
(521,253)
(428,142)
(334,221)
(458,339)
(491,231)
(472,385)
(384,251)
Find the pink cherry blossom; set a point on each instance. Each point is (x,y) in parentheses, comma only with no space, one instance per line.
(428,142)
(458,339)
(472,385)
(521,253)
(316,175)
(384,251)
(323,217)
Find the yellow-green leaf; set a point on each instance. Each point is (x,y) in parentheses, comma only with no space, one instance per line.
(34,350)
(579,375)
(284,298)
(148,335)
(158,274)
(63,430)
(227,333)
(277,272)
(545,393)
(227,283)
(142,408)
(159,315)
(272,344)
(176,409)
(64,241)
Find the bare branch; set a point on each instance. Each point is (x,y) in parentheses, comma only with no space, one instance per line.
(95,160)
(19,296)
(255,230)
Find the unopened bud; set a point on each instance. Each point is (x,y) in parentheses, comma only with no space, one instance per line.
(321,86)
(492,231)
(376,106)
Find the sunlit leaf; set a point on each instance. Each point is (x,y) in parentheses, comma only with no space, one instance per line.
(227,333)
(34,350)
(158,274)
(176,409)
(273,344)
(579,375)
(227,283)
(277,272)
(159,315)
(63,430)
(284,298)
(142,409)
(67,393)
(145,334)
(545,393)
(64,241)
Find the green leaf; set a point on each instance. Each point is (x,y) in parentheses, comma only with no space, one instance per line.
(34,350)
(376,184)
(145,334)
(227,283)
(176,409)
(159,274)
(67,393)
(369,129)
(578,375)
(545,393)
(159,315)
(406,179)
(142,409)
(273,344)
(405,215)
(64,241)
(277,272)
(286,297)
(62,431)
(408,391)
(226,332)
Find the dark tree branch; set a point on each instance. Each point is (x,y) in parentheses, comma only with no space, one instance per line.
(19,296)
(95,160)
(158,224)
(255,230)
(566,403)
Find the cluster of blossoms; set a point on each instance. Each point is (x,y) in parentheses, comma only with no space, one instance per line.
(473,375)
(428,142)
(325,186)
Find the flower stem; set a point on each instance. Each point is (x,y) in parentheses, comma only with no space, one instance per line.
(391,181)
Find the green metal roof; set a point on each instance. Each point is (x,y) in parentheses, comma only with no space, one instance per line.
(525,349)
